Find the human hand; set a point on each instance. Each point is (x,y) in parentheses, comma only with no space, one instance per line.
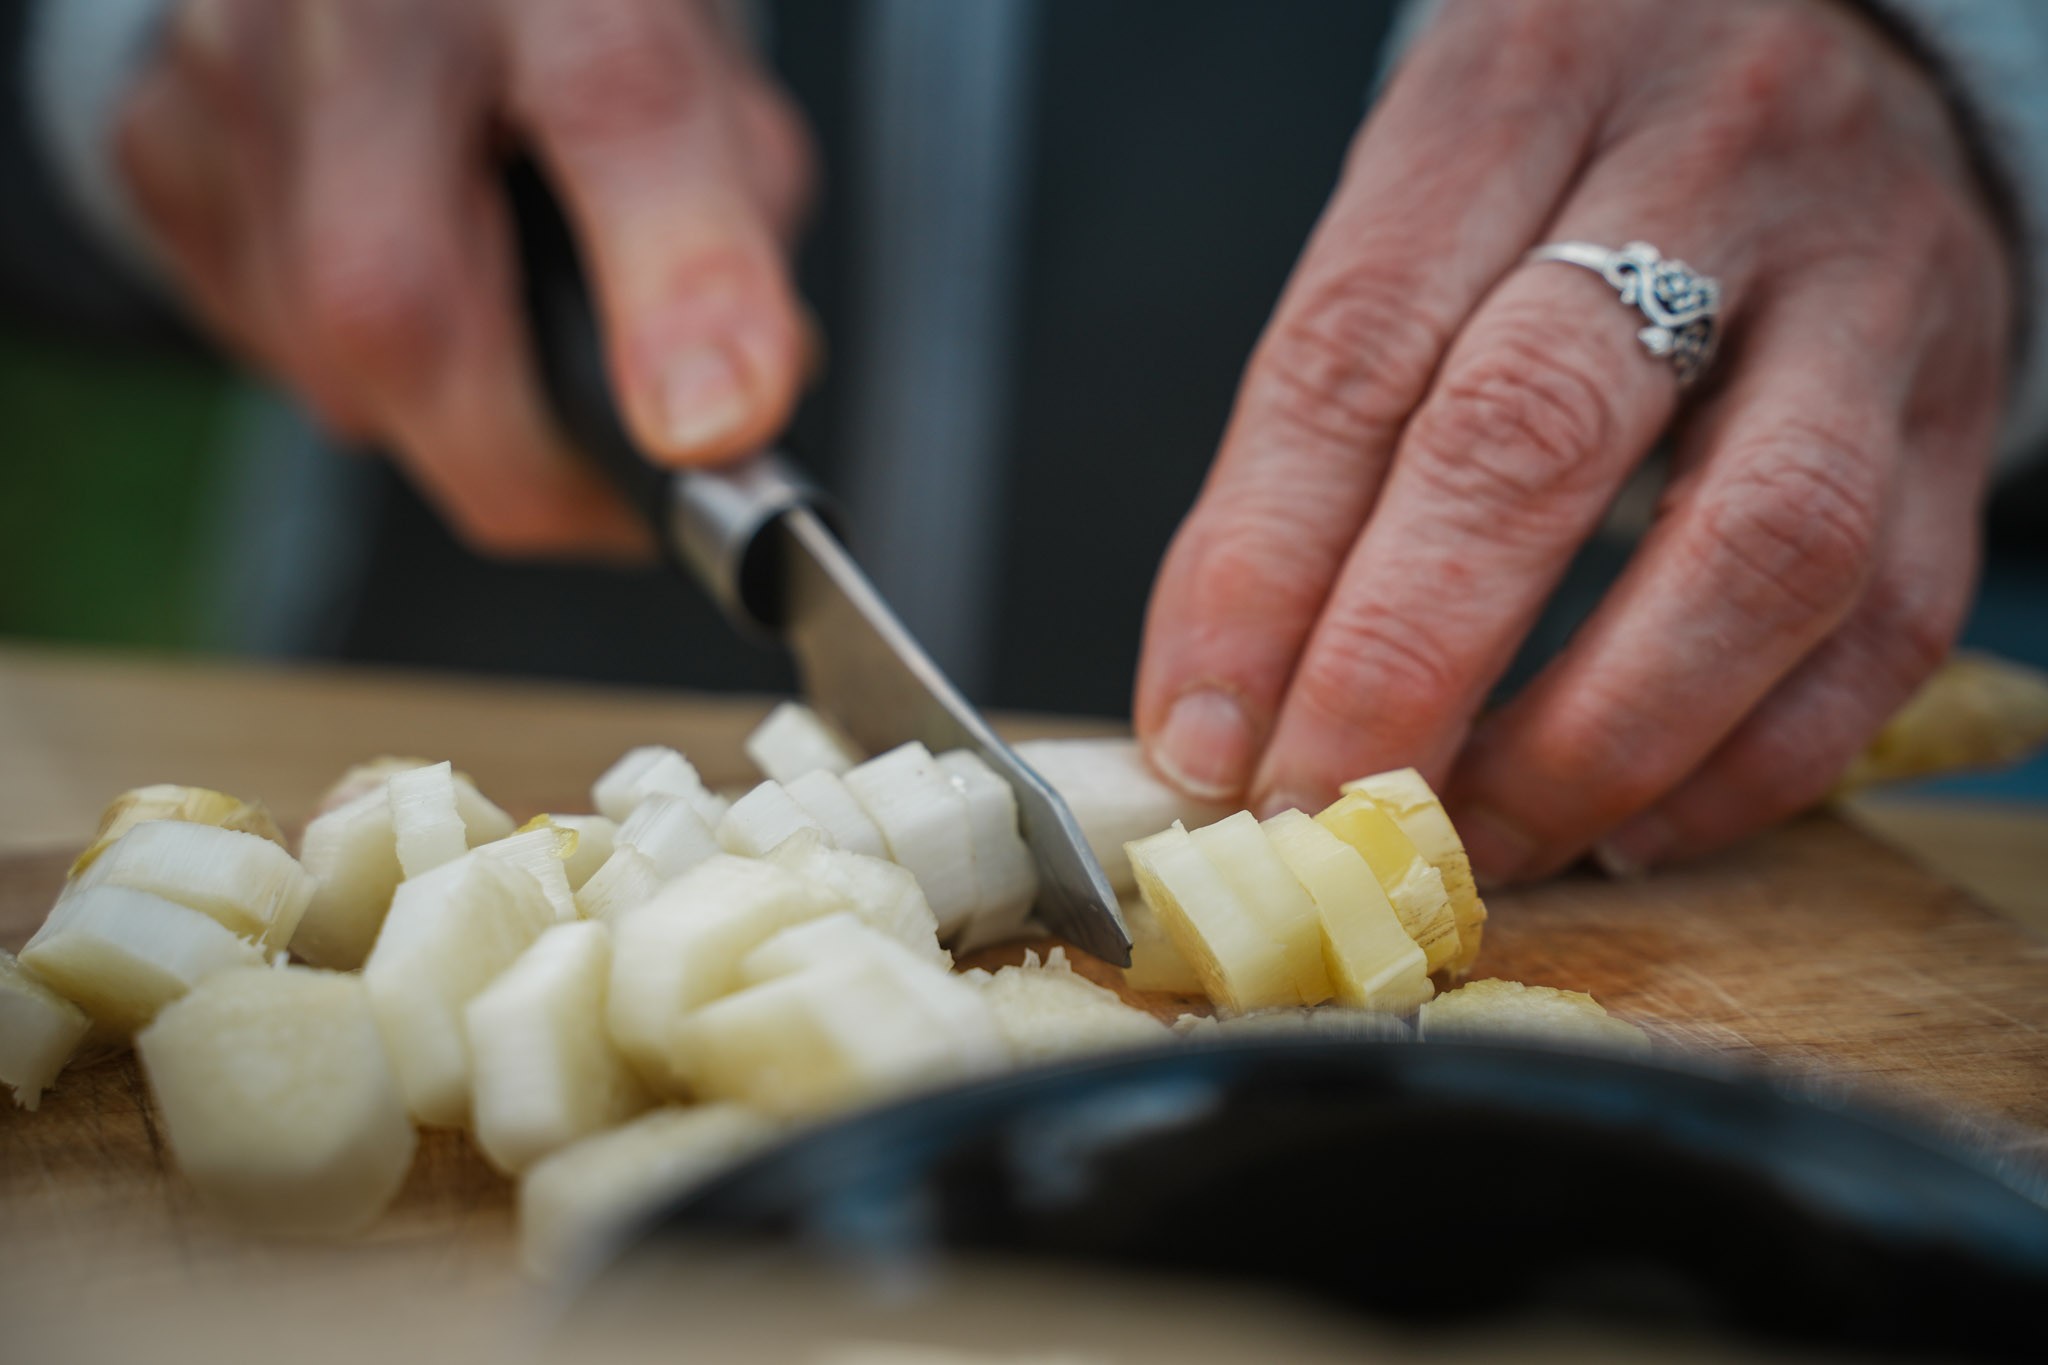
(1430,427)
(324,180)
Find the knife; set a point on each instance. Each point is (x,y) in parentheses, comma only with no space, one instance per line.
(754,535)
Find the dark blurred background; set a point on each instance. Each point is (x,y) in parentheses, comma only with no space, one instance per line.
(1165,164)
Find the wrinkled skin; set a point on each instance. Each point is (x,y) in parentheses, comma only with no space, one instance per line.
(321,176)
(1429,428)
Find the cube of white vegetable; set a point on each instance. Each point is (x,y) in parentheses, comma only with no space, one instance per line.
(245,883)
(573,1203)
(682,950)
(627,881)
(923,818)
(278,1101)
(1006,880)
(121,955)
(39,1030)
(671,832)
(594,836)
(763,818)
(425,828)
(795,740)
(352,853)
(839,937)
(882,894)
(653,770)
(448,934)
(544,1070)
(824,797)
(541,851)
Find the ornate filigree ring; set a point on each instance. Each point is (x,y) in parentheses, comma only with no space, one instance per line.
(1681,305)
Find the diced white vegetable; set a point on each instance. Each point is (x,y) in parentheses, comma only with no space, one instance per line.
(278,1101)
(168,801)
(541,850)
(825,799)
(1115,796)
(653,771)
(1006,879)
(763,818)
(352,853)
(1045,1012)
(122,955)
(425,828)
(1408,800)
(448,934)
(839,937)
(572,1204)
(1239,965)
(1157,963)
(923,819)
(795,740)
(39,1030)
(838,1034)
(682,950)
(362,779)
(1414,888)
(1373,964)
(627,881)
(1236,847)
(247,884)
(545,1072)
(1509,1009)
(883,895)
(482,820)
(671,832)
(594,836)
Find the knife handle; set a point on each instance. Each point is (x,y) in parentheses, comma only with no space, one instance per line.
(713,522)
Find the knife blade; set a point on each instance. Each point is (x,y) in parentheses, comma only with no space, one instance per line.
(752,534)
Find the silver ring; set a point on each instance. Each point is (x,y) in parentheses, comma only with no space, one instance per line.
(1681,305)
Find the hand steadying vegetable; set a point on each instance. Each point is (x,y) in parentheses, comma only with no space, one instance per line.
(1431,426)
(322,177)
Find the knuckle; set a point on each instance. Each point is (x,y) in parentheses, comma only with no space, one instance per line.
(373,304)
(621,69)
(1364,665)
(1253,565)
(1345,363)
(1794,535)
(1517,430)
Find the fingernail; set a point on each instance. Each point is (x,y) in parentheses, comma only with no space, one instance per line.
(704,399)
(1630,851)
(1499,847)
(1206,747)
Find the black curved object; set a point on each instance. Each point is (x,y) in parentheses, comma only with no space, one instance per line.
(1686,1201)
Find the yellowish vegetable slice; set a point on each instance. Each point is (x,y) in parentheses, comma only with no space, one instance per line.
(448,935)
(1373,963)
(1495,1009)
(39,1030)
(1157,963)
(1240,967)
(121,955)
(1115,796)
(247,884)
(1977,711)
(884,896)
(1236,847)
(168,801)
(545,1071)
(575,1202)
(653,770)
(278,1101)
(682,949)
(1005,878)
(826,800)
(627,881)
(1406,797)
(426,830)
(594,836)
(1414,888)
(763,818)
(541,849)
(795,740)
(1045,1011)
(835,1035)
(924,821)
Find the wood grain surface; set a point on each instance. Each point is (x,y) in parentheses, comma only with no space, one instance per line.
(1814,949)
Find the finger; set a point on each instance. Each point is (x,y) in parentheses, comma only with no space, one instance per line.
(1446,184)
(633,114)
(404,261)
(1765,546)
(1544,405)
(166,147)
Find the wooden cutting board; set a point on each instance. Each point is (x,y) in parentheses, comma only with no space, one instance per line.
(1814,949)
